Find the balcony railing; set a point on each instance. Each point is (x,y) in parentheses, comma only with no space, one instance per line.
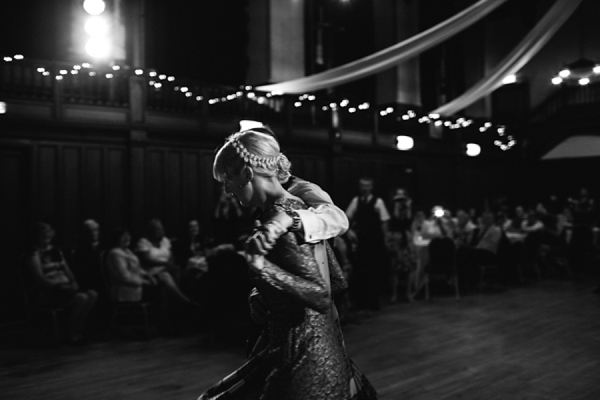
(568,96)
(61,85)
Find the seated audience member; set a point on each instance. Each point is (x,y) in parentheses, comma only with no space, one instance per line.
(515,223)
(464,228)
(156,257)
(501,219)
(532,223)
(155,250)
(564,224)
(482,249)
(193,245)
(125,276)
(439,225)
(54,285)
(533,228)
(87,261)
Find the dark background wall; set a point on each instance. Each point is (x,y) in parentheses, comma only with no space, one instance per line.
(64,176)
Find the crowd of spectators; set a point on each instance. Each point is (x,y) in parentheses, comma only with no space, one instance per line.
(200,278)
(551,239)
(189,280)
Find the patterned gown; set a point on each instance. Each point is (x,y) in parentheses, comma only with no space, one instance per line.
(301,354)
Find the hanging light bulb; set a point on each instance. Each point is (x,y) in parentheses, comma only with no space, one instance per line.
(564,73)
(96,26)
(584,81)
(94,7)
(557,80)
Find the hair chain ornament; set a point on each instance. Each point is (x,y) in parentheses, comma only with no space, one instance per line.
(253,159)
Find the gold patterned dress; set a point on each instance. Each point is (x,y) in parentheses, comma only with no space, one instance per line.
(301,354)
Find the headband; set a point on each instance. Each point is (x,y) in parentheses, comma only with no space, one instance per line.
(253,159)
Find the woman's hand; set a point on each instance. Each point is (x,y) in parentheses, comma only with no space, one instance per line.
(256,262)
(264,237)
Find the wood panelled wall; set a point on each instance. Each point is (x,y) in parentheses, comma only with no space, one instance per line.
(64,179)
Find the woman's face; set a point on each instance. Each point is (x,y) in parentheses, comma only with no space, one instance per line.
(125,240)
(239,187)
(158,232)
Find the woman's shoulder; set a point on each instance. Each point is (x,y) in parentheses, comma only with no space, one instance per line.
(287,204)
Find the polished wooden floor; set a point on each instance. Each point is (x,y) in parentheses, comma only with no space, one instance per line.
(535,342)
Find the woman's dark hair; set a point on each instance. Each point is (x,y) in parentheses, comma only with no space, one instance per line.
(115,236)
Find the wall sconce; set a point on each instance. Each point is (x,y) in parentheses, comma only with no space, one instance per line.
(404,142)
(473,150)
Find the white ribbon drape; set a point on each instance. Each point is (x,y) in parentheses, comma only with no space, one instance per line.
(515,60)
(390,56)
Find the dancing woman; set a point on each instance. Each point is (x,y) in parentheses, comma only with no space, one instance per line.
(305,357)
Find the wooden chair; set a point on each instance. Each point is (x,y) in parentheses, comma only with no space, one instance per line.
(490,272)
(50,316)
(13,310)
(132,315)
(442,264)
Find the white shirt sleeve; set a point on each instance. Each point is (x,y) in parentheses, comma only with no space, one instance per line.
(324,219)
(351,210)
(382,210)
(322,222)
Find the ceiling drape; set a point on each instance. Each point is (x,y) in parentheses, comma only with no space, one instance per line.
(390,56)
(516,59)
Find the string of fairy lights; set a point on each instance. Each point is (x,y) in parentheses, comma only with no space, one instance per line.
(160,81)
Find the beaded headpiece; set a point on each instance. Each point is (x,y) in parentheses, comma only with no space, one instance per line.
(253,159)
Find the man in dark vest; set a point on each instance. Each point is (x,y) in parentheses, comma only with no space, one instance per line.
(368,220)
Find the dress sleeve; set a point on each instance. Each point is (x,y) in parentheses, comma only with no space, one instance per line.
(336,274)
(293,270)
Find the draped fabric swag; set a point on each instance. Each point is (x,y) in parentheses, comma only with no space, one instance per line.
(390,56)
(515,60)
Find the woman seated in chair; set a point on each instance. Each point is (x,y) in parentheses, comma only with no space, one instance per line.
(125,276)
(157,259)
(54,285)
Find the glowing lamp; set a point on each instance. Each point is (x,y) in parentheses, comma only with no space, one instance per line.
(2,107)
(404,142)
(96,26)
(584,81)
(98,48)
(438,211)
(94,7)
(509,79)
(246,124)
(564,73)
(473,149)
(557,80)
